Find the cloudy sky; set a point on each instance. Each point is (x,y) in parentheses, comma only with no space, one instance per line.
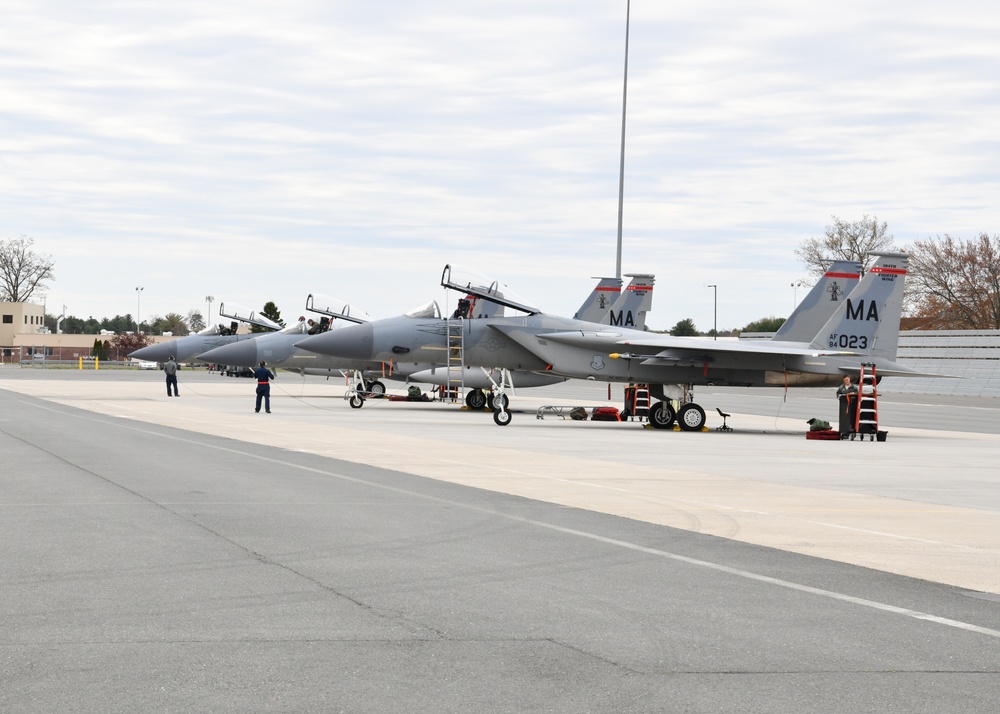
(259,151)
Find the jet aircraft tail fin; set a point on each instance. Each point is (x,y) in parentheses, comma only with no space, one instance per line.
(598,303)
(867,321)
(632,305)
(822,301)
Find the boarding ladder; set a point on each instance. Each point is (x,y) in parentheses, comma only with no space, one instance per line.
(454,388)
(866,417)
(637,401)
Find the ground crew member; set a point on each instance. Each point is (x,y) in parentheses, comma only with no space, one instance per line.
(264,377)
(170,369)
(847,393)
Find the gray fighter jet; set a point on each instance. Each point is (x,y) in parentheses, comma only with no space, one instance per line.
(278,349)
(606,305)
(864,329)
(185,349)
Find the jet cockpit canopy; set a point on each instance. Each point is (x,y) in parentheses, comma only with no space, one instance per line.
(334,307)
(245,314)
(472,282)
(428,311)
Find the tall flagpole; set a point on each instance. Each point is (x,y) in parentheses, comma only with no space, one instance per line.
(621,170)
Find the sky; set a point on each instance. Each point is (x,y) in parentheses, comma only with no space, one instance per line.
(262,151)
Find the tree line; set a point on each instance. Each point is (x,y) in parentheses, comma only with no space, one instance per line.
(953,283)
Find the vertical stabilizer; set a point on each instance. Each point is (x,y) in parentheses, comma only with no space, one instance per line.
(818,306)
(597,305)
(868,319)
(637,299)
(480,307)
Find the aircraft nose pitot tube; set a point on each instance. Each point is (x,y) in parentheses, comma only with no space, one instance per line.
(237,354)
(353,342)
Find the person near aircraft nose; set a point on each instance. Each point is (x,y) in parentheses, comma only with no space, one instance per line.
(170,369)
(264,377)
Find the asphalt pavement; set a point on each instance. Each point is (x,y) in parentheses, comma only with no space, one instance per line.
(189,555)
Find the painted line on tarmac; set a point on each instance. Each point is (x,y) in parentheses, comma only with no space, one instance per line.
(635,547)
(883,534)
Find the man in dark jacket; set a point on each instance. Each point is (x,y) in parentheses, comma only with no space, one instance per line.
(170,369)
(264,377)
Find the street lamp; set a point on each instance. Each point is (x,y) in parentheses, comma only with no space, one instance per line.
(138,300)
(795,292)
(715,312)
(208,315)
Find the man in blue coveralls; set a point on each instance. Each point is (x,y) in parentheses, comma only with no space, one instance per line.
(264,377)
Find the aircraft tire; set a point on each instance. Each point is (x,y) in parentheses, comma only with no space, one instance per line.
(357,401)
(691,417)
(661,416)
(376,388)
(501,417)
(491,402)
(475,399)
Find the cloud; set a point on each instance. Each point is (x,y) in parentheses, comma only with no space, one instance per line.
(261,152)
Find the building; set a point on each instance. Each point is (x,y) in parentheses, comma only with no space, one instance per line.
(23,336)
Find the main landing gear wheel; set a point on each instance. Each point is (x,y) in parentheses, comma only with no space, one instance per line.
(357,401)
(376,388)
(501,417)
(661,416)
(492,403)
(475,399)
(691,417)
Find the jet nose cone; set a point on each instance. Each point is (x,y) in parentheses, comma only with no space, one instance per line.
(354,342)
(153,353)
(237,354)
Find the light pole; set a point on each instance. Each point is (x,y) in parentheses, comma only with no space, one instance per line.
(138,301)
(795,292)
(715,312)
(208,315)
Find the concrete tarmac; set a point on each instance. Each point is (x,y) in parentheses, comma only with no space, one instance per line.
(169,554)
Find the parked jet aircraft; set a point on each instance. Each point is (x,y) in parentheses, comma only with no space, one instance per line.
(628,308)
(279,350)
(864,329)
(185,349)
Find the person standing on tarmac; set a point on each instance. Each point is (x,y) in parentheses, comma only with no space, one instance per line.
(264,377)
(847,393)
(170,369)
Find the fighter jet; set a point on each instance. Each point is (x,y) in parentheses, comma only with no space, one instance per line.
(440,340)
(279,351)
(606,305)
(864,329)
(185,349)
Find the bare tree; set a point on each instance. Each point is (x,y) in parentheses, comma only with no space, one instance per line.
(21,269)
(845,241)
(956,283)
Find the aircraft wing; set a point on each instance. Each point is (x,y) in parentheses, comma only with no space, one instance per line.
(668,348)
(669,351)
